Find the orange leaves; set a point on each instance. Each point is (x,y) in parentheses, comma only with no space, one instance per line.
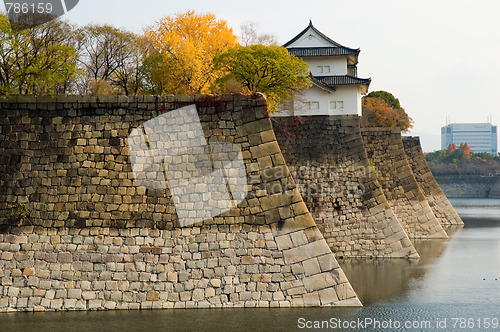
(188,43)
(451,148)
(377,113)
(382,113)
(466,148)
(464,152)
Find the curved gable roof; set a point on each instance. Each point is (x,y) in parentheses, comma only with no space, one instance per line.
(346,50)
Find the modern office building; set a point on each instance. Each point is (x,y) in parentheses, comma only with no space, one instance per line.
(481,137)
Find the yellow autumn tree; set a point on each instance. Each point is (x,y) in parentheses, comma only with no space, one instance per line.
(182,49)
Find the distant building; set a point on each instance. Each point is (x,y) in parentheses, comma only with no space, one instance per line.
(481,137)
(336,88)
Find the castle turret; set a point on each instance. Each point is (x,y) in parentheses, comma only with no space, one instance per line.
(336,88)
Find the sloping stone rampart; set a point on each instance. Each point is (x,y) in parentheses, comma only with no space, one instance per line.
(438,202)
(466,186)
(96,240)
(329,164)
(385,150)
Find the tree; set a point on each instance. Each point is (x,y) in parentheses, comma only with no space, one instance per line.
(268,69)
(154,67)
(110,56)
(39,60)
(377,112)
(249,36)
(451,148)
(130,75)
(182,51)
(466,149)
(437,156)
(388,97)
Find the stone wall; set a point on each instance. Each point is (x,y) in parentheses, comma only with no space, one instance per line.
(438,202)
(495,190)
(95,239)
(384,147)
(329,164)
(473,186)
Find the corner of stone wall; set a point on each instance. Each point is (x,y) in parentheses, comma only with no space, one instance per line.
(441,207)
(385,149)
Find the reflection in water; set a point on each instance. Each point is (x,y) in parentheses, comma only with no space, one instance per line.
(377,280)
(452,229)
(383,280)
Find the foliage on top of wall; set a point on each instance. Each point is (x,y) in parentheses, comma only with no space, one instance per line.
(382,109)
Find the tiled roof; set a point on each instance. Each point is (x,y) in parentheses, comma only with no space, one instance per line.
(320,51)
(322,85)
(326,38)
(341,80)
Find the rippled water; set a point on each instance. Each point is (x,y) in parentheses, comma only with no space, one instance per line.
(455,285)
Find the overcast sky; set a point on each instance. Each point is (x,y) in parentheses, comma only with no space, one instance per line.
(440,58)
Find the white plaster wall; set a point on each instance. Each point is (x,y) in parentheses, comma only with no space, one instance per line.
(312,95)
(350,95)
(338,65)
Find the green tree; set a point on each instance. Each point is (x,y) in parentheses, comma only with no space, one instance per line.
(462,161)
(39,60)
(154,66)
(437,156)
(267,69)
(388,97)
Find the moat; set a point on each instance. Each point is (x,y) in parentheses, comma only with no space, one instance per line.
(455,283)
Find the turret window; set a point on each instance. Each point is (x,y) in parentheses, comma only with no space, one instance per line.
(310,105)
(313,105)
(337,105)
(324,69)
